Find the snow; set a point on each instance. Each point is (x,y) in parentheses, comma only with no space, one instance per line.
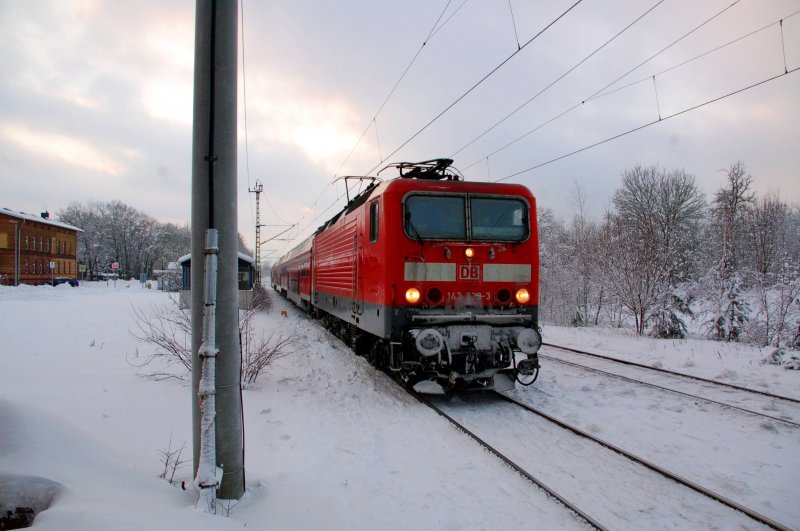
(733,363)
(333,444)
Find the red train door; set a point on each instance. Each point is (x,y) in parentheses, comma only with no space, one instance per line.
(357,302)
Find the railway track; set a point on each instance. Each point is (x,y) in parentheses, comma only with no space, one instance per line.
(553,491)
(749,515)
(751,401)
(517,468)
(674,373)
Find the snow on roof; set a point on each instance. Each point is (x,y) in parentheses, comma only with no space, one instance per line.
(38,219)
(242,256)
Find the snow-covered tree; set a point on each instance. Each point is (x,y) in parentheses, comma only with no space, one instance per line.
(584,237)
(774,271)
(724,282)
(116,232)
(650,238)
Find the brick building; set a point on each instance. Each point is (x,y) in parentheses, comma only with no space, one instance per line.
(36,249)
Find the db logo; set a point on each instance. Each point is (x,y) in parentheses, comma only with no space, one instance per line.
(469,272)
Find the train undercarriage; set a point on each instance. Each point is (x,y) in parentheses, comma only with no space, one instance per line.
(461,352)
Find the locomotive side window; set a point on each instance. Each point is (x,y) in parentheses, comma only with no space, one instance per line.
(373,221)
(503,219)
(436,217)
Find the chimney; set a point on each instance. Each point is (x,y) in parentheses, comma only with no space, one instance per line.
(45,215)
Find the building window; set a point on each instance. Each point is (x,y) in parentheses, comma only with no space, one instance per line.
(26,243)
(26,266)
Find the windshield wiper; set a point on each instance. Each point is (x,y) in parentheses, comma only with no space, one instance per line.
(411,226)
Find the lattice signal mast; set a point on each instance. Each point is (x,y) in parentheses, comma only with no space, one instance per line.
(257,190)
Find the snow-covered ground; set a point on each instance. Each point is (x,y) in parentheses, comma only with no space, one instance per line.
(333,444)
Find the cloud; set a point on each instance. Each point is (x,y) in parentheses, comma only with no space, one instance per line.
(69,150)
(321,127)
(169,100)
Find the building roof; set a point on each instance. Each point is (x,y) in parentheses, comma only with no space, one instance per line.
(38,219)
(188,258)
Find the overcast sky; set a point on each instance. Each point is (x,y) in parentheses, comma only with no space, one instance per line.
(96,98)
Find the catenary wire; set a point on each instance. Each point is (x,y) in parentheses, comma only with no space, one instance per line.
(599,94)
(433,31)
(443,24)
(246,137)
(339,197)
(449,107)
(562,76)
(696,57)
(639,128)
(514,23)
(394,88)
(427,39)
(244,105)
(476,85)
(667,47)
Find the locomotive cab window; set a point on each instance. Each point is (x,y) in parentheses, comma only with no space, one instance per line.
(436,217)
(373,221)
(498,219)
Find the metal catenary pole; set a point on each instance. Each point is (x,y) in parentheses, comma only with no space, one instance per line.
(214,205)
(257,190)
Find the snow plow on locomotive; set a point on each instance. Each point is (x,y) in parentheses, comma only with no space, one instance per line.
(428,276)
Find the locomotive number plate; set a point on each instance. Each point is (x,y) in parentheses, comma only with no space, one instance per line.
(469,272)
(475,295)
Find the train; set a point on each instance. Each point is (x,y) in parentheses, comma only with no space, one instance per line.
(429,276)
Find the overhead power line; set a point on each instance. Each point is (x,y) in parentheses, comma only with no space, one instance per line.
(244,104)
(562,76)
(373,121)
(246,136)
(639,128)
(397,84)
(665,48)
(696,57)
(476,85)
(600,93)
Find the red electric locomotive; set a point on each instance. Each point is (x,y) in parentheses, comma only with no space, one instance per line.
(430,276)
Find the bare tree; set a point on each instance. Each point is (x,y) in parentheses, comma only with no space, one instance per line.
(584,240)
(556,302)
(730,205)
(774,271)
(88,218)
(729,209)
(168,329)
(648,244)
(116,232)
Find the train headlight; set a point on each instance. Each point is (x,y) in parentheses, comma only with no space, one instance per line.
(529,341)
(412,295)
(469,252)
(522,296)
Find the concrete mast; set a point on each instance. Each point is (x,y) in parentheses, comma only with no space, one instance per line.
(214,205)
